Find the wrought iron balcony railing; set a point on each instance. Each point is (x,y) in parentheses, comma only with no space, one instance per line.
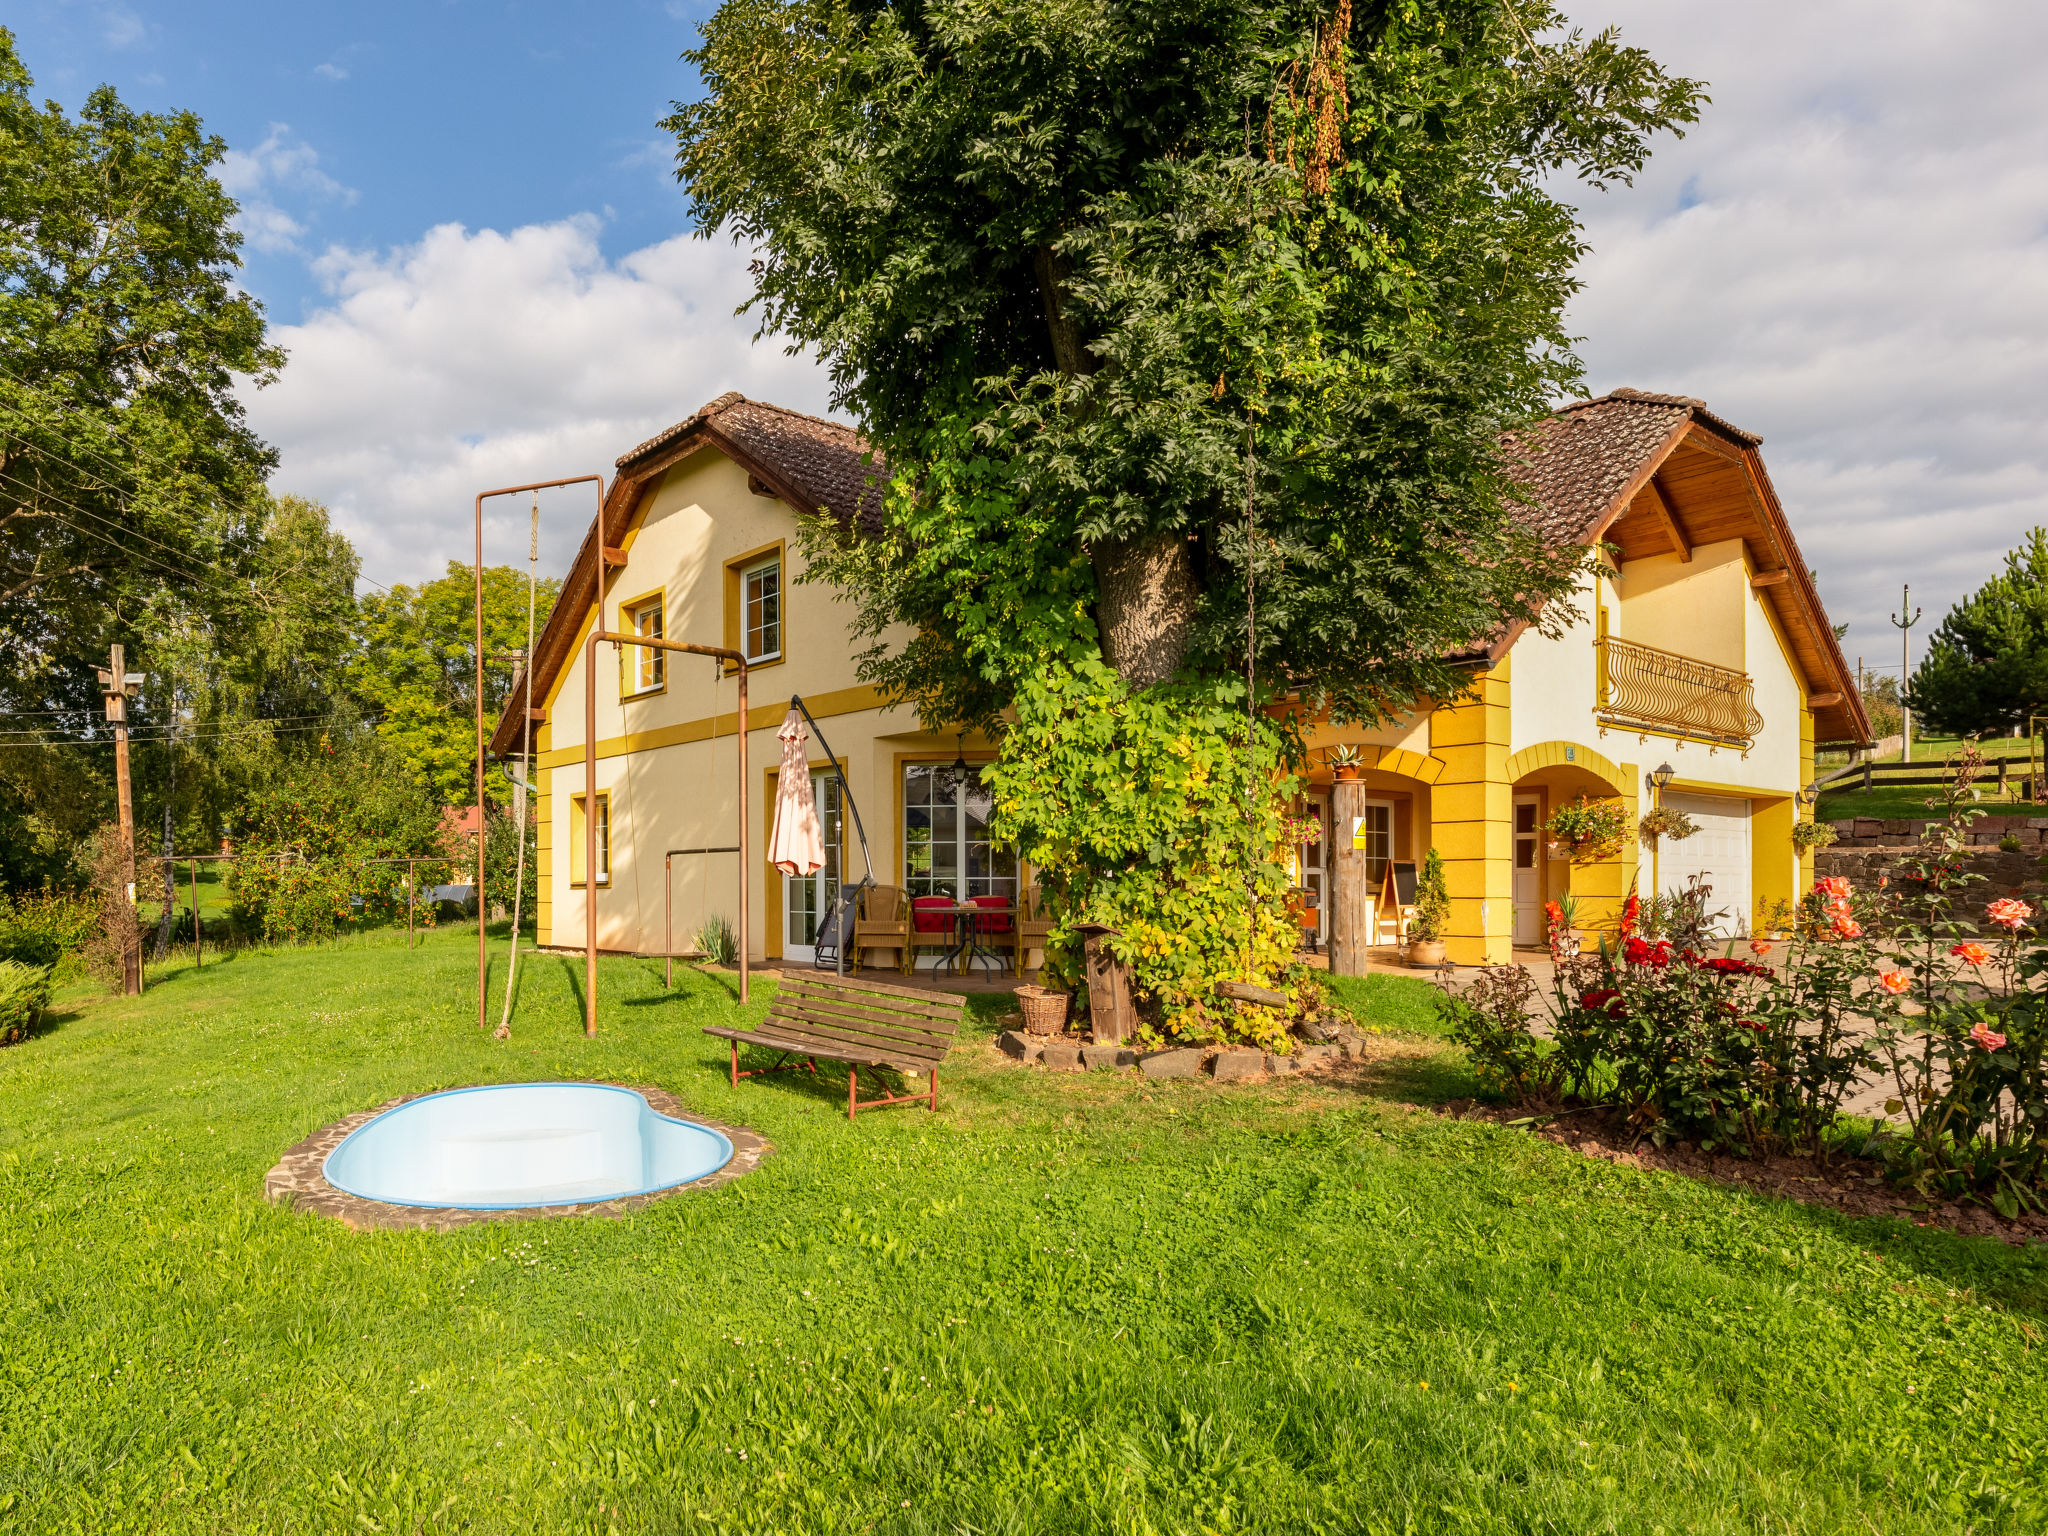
(1643,688)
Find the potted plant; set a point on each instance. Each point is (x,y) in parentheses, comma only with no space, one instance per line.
(1346,762)
(1591,829)
(1432,912)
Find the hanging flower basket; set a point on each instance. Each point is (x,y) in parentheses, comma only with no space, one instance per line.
(1590,830)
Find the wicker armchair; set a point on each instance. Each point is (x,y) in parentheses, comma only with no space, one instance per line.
(1032,928)
(883,924)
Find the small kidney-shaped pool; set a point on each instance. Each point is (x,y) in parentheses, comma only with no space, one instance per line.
(514,1145)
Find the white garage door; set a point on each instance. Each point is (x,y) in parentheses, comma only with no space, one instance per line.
(1718,852)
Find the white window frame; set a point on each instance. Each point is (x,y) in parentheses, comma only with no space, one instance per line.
(650,670)
(747,574)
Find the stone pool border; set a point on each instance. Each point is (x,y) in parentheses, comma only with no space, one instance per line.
(297,1182)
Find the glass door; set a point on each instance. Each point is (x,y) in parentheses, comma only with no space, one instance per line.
(1314,870)
(807,900)
(947,850)
(1528,874)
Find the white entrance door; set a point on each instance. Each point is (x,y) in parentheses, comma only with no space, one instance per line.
(1718,853)
(1528,873)
(807,902)
(1314,874)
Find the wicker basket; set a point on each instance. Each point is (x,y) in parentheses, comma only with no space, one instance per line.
(1045,1011)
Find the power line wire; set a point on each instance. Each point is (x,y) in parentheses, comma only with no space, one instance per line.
(118,469)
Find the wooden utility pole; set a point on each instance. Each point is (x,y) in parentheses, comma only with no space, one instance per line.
(1351,910)
(119,685)
(1904,626)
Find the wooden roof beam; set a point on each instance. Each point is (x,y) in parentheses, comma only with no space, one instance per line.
(1660,509)
(1764,579)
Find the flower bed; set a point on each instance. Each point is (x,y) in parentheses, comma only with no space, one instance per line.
(1756,1060)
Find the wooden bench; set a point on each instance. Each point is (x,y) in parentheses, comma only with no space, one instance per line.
(862,1023)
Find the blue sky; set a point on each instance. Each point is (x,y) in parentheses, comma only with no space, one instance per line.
(462,219)
(465,111)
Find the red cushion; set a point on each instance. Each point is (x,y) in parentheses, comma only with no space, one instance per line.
(925,919)
(997,923)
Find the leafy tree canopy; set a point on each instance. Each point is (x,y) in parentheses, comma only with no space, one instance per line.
(1150,306)
(130,484)
(1100,272)
(415,670)
(1986,668)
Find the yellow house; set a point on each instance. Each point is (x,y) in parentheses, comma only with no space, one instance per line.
(1699,645)
(1704,646)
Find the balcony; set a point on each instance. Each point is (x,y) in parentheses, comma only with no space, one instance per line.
(1645,689)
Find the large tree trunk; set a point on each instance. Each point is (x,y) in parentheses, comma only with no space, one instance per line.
(1145,596)
(1069,353)
(1145,587)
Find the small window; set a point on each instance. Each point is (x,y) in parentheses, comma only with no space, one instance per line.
(761,615)
(645,665)
(578,838)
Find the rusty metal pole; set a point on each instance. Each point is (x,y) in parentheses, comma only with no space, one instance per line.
(483,940)
(198,963)
(601,636)
(482,933)
(668,927)
(740,732)
(590,816)
(411,889)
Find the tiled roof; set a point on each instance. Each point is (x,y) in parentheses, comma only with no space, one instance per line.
(826,462)
(1577,461)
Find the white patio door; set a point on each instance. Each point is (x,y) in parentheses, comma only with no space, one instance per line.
(1314,869)
(1528,873)
(807,900)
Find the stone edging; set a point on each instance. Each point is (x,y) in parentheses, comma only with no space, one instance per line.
(297,1182)
(1064,1053)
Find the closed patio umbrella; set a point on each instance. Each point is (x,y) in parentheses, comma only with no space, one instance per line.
(798,846)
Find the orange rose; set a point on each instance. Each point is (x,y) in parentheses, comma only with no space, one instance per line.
(1895,982)
(1971,954)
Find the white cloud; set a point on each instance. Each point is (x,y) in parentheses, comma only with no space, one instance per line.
(330,71)
(121,27)
(1847,256)
(283,165)
(478,359)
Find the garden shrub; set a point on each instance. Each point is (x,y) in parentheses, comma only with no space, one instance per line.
(718,941)
(118,917)
(44,927)
(1146,813)
(1757,1059)
(310,845)
(24,998)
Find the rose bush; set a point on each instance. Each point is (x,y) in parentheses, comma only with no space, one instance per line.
(1752,1058)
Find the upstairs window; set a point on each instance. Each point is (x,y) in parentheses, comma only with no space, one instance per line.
(761,611)
(579,838)
(646,666)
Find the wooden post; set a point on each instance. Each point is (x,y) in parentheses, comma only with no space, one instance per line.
(197,962)
(1110,1017)
(1350,898)
(118,685)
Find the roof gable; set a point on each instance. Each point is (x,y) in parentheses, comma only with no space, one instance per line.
(813,464)
(1657,474)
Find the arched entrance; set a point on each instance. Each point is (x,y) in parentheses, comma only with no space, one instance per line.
(1543,777)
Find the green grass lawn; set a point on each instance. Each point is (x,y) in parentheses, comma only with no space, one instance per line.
(1908,801)
(1060,1304)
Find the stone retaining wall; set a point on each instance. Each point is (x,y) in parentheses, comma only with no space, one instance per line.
(1900,832)
(2022,874)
